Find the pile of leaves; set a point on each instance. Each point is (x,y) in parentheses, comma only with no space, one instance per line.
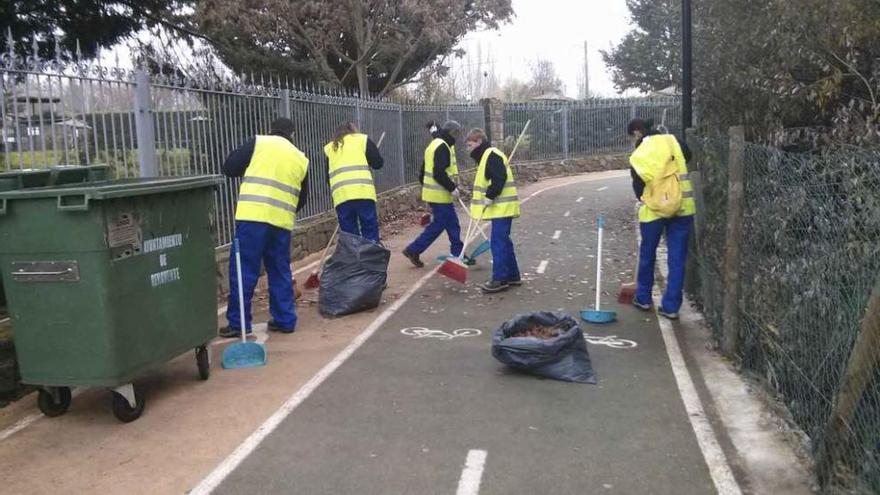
(539,332)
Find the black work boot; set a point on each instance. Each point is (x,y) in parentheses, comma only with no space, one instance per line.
(493,286)
(413,258)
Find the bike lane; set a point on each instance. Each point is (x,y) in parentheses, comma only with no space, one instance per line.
(403,414)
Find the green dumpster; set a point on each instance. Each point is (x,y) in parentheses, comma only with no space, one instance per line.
(106,281)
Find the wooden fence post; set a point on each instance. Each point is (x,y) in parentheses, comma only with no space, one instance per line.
(733,242)
(859,373)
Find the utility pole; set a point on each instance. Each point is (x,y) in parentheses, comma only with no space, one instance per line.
(686,72)
(586,72)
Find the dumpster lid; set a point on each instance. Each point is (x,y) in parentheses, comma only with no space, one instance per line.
(117,188)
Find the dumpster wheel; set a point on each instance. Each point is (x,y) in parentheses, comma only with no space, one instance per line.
(123,410)
(203,360)
(54,401)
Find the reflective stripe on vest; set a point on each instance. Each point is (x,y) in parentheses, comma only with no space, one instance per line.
(651,159)
(350,176)
(271,185)
(432,191)
(506,204)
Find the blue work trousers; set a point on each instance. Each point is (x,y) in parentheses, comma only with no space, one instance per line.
(358,217)
(443,217)
(504,266)
(262,243)
(677,230)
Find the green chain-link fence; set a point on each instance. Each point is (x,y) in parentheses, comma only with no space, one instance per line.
(810,259)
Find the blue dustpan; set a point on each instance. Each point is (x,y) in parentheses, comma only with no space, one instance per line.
(597,315)
(243,354)
(482,248)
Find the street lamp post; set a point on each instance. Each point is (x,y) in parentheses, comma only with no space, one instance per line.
(686,67)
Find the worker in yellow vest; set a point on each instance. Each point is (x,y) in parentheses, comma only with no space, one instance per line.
(273,187)
(439,190)
(653,152)
(495,198)
(350,157)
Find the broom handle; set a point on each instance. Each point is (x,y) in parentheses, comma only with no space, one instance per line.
(469,215)
(467,238)
(327,249)
(240,290)
(599,263)
(516,145)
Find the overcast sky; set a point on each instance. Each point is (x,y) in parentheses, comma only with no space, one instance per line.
(556,30)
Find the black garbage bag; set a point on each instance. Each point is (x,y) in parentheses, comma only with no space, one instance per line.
(563,357)
(354,277)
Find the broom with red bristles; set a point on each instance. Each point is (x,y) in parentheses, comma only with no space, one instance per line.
(627,292)
(314,280)
(454,267)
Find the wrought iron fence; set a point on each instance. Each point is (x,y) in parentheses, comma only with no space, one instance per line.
(565,129)
(70,111)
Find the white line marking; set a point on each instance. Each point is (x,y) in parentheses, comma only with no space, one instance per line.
(250,444)
(602,188)
(566,214)
(579,199)
(472,475)
(611,341)
(30,419)
(719,469)
(20,425)
(587,178)
(542,266)
(557,234)
(424,332)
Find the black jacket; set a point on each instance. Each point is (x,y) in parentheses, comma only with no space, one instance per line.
(237,162)
(637,183)
(442,160)
(496,171)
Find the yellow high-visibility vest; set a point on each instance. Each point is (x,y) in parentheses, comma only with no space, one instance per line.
(350,176)
(650,158)
(432,191)
(506,204)
(270,187)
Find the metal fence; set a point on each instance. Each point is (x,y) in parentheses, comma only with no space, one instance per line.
(566,129)
(68,111)
(810,256)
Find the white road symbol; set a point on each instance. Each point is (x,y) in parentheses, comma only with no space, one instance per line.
(427,333)
(611,341)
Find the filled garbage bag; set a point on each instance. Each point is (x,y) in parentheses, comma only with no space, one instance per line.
(545,343)
(354,277)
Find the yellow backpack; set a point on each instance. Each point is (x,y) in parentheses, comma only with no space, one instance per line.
(663,193)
